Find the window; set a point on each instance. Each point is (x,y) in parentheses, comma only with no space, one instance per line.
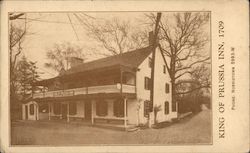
(72,108)
(128,78)
(164,69)
(148,107)
(57,108)
(166,107)
(147,83)
(118,108)
(174,106)
(150,62)
(101,108)
(32,109)
(167,88)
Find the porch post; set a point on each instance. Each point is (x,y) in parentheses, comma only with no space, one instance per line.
(92,112)
(37,112)
(121,78)
(125,112)
(68,113)
(49,110)
(61,110)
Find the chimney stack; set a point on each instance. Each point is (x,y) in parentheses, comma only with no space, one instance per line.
(151,38)
(74,61)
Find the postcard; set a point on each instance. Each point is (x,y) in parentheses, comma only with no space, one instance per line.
(124,76)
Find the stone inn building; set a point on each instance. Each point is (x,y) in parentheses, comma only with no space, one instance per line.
(113,90)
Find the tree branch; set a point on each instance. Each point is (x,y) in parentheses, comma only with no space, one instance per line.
(192,90)
(194,63)
(186,72)
(13,17)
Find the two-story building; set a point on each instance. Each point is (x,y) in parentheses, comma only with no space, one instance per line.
(111,90)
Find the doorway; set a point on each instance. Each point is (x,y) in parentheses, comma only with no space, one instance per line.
(87,110)
(64,111)
(26,112)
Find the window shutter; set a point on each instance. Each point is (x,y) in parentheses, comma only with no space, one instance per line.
(98,112)
(57,108)
(72,108)
(146,109)
(150,106)
(166,107)
(167,88)
(147,83)
(101,108)
(119,108)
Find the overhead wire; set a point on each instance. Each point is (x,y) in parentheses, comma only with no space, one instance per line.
(73,27)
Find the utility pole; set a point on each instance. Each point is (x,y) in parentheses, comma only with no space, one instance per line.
(154,45)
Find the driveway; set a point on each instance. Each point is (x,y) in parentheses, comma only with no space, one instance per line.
(192,130)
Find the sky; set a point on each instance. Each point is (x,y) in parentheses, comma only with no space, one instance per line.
(46,29)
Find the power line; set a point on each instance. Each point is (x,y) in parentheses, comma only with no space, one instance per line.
(47,21)
(73,27)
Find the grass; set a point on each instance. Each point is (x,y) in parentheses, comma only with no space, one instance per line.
(191,130)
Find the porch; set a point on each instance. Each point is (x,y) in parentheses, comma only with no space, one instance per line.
(112,80)
(109,112)
(104,89)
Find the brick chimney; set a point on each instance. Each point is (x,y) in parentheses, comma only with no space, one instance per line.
(74,61)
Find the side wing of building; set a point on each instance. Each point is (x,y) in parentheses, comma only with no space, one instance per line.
(162,89)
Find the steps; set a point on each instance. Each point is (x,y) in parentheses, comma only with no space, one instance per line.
(129,128)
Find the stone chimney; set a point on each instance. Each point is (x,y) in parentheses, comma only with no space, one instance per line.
(74,61)
(150,38)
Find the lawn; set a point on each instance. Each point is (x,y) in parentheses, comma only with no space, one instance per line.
(192,130)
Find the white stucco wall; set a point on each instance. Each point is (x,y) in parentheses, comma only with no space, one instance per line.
(159,89)
(132,114)
(142,94)
(160,96)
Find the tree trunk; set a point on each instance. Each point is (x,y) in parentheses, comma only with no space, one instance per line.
(155,117)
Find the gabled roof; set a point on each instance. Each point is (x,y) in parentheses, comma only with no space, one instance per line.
(131,59)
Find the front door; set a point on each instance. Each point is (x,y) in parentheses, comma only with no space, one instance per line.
(64,111)
(87,110)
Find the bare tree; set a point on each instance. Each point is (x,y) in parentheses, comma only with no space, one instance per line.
(17,33)
(192,93)
(116,36)
(182,40)
(16,37)
(200,80)
(59,56)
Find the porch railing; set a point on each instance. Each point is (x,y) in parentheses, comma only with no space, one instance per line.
(86,90)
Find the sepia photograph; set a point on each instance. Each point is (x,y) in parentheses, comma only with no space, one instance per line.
(110,78)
